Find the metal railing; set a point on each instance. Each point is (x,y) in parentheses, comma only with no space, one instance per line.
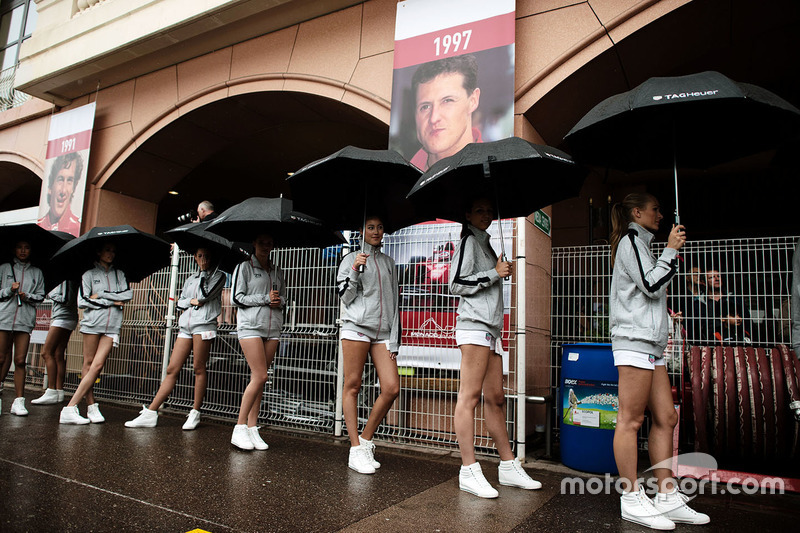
(301,392)
(10,97)
(755,274)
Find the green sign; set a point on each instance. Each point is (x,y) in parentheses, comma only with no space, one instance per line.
(542,221)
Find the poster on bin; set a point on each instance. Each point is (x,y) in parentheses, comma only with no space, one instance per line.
(65,168)
(453,80)
(452,84)
(590,403)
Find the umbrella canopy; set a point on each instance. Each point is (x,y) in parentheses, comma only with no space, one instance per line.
(519,176)
(700,120)
(344,186)
(694,121)
(276,216)
(192,236)
(43,243)
(138,254)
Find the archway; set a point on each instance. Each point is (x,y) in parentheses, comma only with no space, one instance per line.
(238,147)
(753,43)
(22,182)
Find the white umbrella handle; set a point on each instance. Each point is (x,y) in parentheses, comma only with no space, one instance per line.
(675,172)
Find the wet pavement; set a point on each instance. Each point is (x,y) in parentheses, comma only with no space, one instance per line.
(108,477)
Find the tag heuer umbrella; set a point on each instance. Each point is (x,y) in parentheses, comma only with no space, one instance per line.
(694,121)
(345,186)
(138,254)
(519,176)
(276,216)
(192,236)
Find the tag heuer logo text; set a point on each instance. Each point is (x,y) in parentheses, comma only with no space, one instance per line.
(685,95)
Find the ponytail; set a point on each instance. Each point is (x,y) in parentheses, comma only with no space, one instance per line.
(622,214)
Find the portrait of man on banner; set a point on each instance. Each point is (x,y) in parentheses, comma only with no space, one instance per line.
(453,81)
(445,104)
(62,192)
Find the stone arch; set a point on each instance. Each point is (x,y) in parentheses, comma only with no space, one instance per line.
(144,168)
(324,87)
(22,180)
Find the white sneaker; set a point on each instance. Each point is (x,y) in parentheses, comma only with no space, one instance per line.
(18,407)
(241,437)
(70,415)
(50,396)
(471,480)
(146,419)
(93,414)
(638,508)
(192,419)
(255,438)
(359,460)
(60,393)
(511,474)
(674,506)
(369,446)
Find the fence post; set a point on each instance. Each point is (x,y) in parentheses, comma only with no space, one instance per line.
(520,337)
(338,419)
(173,286)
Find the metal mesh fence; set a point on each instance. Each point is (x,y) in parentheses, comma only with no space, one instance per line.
(732,292)
(301,391)
(429,358)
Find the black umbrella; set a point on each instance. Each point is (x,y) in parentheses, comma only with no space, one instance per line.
(345,186)
(246,220)
(138,254)
(694,121)
(44,244)
(520,176)
(51,277)
(190,237)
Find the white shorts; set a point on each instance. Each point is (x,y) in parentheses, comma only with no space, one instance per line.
(114,338)
(246,336)
(350,335)
(205,335)
(64,324)
(637,359)
(479,338)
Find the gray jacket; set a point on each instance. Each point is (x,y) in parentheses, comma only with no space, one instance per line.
(100,315)
(206,286)
(18,313)
(474,278)
(796,300)
(371,298)
(638,300)
(65,302)
(251,286)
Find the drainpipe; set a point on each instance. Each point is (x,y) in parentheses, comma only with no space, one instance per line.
(173,287)
(339,417)
(521,337)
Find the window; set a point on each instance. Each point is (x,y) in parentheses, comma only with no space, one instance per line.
(17,21)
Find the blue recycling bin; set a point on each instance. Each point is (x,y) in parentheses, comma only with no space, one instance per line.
(589,401)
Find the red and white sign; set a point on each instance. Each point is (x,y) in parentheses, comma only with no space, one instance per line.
(64,180)
(453,84)
(424,256)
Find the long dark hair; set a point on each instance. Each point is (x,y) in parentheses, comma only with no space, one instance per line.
(622,214)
